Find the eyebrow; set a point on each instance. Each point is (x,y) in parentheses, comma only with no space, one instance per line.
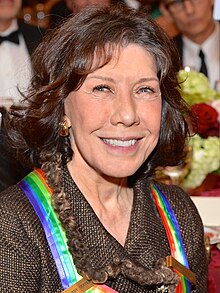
(101,77)
(144,79)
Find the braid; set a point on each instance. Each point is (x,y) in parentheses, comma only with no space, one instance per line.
(51,165)
(161,275)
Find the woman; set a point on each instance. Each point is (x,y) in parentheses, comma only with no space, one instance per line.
(103,111)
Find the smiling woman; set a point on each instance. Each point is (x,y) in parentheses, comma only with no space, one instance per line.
(102,112)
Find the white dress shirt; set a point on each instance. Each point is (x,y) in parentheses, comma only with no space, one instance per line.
(211,49)
(15,68)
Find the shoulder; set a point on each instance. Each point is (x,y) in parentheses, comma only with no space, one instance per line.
(13,197)
(180,201)
(20,226)
(175,194)
(16,212)
(186,213)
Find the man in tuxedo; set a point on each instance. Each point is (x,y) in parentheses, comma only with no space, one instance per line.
(199,39)
(17,41)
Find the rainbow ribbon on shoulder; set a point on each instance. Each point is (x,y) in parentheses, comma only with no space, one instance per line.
(173,233)
(39,194)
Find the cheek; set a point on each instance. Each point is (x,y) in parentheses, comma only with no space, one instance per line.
(87,116)
(151,117)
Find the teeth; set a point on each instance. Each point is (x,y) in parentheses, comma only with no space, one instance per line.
(120,143)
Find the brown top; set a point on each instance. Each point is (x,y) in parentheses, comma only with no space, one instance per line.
(26,263)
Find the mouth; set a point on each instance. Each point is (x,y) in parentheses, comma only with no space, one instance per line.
(120,143)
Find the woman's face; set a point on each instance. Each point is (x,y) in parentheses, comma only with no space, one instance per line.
(115,115)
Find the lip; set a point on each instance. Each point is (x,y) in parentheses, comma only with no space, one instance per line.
(123,138)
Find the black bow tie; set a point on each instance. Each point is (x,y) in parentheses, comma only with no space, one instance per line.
(13,37)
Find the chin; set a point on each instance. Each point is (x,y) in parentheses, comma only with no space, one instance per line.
(120,173)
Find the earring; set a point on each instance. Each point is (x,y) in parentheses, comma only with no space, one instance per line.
(64,130)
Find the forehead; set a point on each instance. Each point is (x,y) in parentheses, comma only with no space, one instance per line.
(131,59)
(113,52)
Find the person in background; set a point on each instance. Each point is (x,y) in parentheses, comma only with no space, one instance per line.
(199,39)
(152,7)
(17,41)
(63,9)
(105,111)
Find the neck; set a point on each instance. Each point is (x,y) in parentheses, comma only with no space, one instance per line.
(201,37)
(4,25)
(99,188)
(110,198)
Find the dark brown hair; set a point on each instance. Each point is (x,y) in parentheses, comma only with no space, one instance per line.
(60,65)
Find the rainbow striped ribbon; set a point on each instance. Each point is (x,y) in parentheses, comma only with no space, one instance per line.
(39,194)
(173,233)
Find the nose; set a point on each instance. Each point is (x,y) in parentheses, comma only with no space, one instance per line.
(125,110)
(188,6)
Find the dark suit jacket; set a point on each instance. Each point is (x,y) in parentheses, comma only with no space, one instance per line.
(11,170)
(179,44)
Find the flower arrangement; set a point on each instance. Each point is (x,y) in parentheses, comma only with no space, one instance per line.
(205,102)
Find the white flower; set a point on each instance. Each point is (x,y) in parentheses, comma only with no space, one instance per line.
(205,160)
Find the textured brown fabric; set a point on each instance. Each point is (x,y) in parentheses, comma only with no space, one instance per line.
(26,263)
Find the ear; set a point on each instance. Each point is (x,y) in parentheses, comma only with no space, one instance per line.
(166,12)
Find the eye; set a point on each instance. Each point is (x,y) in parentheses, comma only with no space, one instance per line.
(102,91)
(147,92)
(101,88)
(145,89)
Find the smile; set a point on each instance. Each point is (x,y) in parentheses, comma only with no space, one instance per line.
(120,143)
